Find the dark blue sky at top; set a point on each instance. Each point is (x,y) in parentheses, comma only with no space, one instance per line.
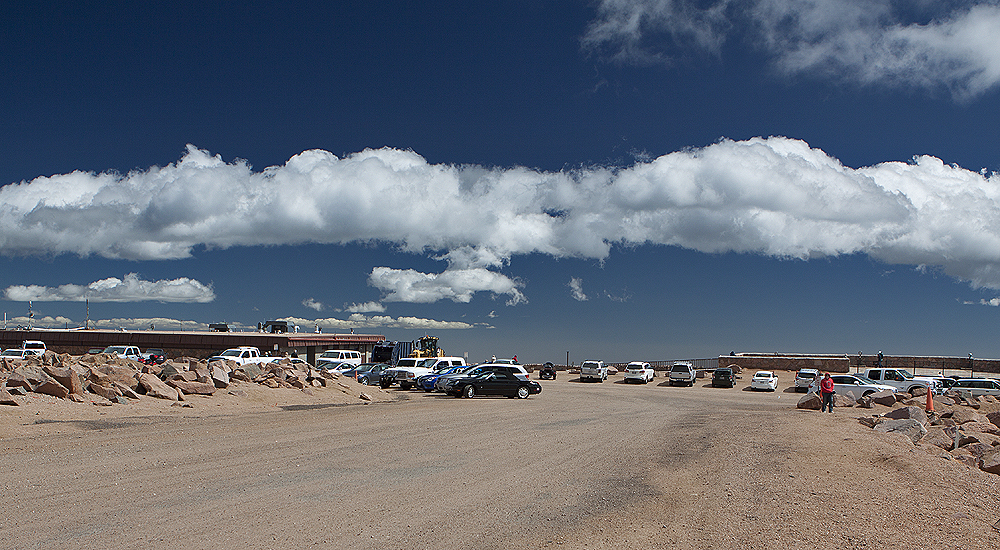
(123,86)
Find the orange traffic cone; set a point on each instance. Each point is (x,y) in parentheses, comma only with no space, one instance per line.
(930,400)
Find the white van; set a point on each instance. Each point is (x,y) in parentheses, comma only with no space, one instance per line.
(339,356)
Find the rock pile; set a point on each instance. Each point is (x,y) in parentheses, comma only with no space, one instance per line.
(955,430)
(116,380)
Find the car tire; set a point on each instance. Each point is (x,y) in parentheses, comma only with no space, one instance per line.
(384,386)
(469,391)
(523,392)
(363,381)
(404,386)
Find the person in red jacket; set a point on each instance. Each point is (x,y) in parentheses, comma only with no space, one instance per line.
(826,392)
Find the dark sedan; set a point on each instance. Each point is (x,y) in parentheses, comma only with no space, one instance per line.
(367,373)
(723,378)
(495,383)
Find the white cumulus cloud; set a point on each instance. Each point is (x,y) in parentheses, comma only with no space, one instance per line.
(312,304)
(926,44)
(367,307)
(576,289)
(129,289)
(458,285)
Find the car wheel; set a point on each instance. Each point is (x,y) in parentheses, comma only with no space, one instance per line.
(384,385)
(867,393)
(363,381)
(404,386)
(469,391)
(522,392)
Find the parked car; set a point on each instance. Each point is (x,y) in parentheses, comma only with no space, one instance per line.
(547,372)
(339,356)
(17,353)
(593,370)
(804,378)
(448,383)
(153,356)
(36,347)
(977,386)
(857,384)
(682,373)
(637,371)
(427,381)
(495,382)
(367,374)
(125,352)
(95,351)
(764,380)
(945,383)
(724,378)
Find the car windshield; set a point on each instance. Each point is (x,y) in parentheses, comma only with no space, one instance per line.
(11,353)
(906,374)
(589,365)
(807,375)
(230,353)
(865,379)
(114,349)
(679,368)
(762,375)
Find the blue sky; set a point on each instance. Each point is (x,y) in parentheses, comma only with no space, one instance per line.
(620,179)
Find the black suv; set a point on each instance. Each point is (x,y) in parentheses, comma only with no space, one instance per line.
(723,378)
(547,372)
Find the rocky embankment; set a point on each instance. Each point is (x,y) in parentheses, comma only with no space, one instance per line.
(109,380)
(954,426)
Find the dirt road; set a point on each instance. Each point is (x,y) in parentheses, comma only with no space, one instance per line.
(580,466)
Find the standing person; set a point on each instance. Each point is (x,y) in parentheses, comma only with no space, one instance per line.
(826,392)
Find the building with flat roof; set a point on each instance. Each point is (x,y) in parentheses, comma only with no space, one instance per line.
(196,344)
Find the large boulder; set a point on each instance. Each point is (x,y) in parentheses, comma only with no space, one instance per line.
(109,393)
(885,398)
(963,415)
(189,387)
(941,437)
(6,398)
(156,388)
(121,375)
(50,386)
(991,462)
(67,377)
(810,401)
(908,427)
(983,426)
(915,413)
(968,438)
(840,400)
(220,376)
(994,417)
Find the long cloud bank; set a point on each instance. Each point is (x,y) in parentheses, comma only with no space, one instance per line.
(927,44)
(774,196)
(129,289)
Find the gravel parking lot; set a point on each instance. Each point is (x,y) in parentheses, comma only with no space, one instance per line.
(583,465)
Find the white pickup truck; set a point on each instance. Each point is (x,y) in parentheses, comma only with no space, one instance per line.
(243,355)
(901,379)
(407,375)
(125,352)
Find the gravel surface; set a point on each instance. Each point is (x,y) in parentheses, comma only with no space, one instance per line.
(583,465)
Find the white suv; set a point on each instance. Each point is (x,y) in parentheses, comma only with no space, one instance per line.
(682,373)
(977,386)
(804,378)
(639,372)
(593,370)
